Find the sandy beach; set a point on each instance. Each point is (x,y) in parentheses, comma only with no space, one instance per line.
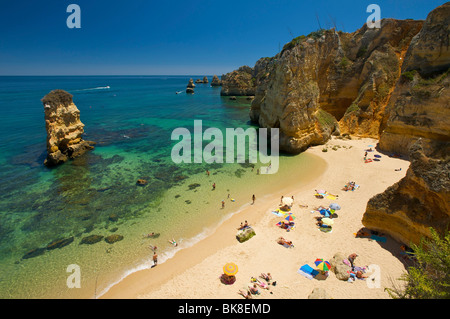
(194,272)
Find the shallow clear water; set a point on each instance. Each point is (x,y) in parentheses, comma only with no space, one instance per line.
(96,194)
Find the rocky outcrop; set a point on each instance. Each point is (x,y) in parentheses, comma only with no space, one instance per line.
(419,106)
(59,243)
(240,82)
(64,128)
(190,87)
(216,81)
(417,124)
(420,200)
(331,82)
(113,238)
(429,51)
(205,79)
(340,269)
(245,234)
(91,239)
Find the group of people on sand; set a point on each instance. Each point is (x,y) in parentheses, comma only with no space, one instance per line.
(255,285)
(350,186)
(356,272)
(243,226)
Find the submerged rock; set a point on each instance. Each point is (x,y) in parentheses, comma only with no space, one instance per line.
(59,243)
(34,253)
(113,238)
(113,217)
(141,182)
(92,239)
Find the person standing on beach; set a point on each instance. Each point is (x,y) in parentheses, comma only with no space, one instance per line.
(207,172)
(253,198)
(155,259)
(214,186)
(223,204)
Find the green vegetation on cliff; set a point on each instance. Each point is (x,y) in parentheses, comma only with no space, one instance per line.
(429,278)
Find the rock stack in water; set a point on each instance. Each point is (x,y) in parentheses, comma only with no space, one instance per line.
(64,128)
(215,81)
(190,87)
(205,79)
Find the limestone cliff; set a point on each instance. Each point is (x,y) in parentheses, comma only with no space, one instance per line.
(216,81)
(329,77)
(419,201)
(419,106)
(240,82)
(64,128)
(417,123)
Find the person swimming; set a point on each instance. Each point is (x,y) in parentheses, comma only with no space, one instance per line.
(173,242)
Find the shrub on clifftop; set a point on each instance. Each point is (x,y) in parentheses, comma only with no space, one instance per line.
(57,97)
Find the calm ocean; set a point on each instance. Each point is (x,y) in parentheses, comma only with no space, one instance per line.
(131,119)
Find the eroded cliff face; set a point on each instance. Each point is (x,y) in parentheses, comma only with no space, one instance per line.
(419,106)
(329,77)
(420,200)
(240,82)
(417,124)
(64,128)
(390,83)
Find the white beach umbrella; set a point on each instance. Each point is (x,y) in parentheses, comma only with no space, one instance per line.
(287,201)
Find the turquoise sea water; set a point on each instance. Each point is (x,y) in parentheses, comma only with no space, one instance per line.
(131,120)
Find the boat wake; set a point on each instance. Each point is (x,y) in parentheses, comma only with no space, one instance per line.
(92,89)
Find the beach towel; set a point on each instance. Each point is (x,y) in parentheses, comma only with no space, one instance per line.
(307,271)
(331,197)
(277,213)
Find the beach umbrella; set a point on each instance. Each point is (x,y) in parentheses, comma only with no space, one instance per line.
(335,206)
(230,269)
(327,221)
(322,264)
(287,201)
(290,218)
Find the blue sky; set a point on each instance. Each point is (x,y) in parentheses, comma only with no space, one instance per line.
(147,37)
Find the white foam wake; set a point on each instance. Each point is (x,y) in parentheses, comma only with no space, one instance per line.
(97,88)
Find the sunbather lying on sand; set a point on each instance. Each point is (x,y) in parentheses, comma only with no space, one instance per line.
(283,241)
(254,289)
(245,293)
(262,284)
(267,277)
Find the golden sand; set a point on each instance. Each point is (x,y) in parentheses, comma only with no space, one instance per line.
(194,272)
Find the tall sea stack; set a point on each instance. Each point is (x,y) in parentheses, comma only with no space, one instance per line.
(64,128)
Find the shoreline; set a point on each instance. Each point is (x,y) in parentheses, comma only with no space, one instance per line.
(223,234)
(181,272)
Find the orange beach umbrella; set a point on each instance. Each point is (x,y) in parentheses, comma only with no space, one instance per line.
(230,269)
